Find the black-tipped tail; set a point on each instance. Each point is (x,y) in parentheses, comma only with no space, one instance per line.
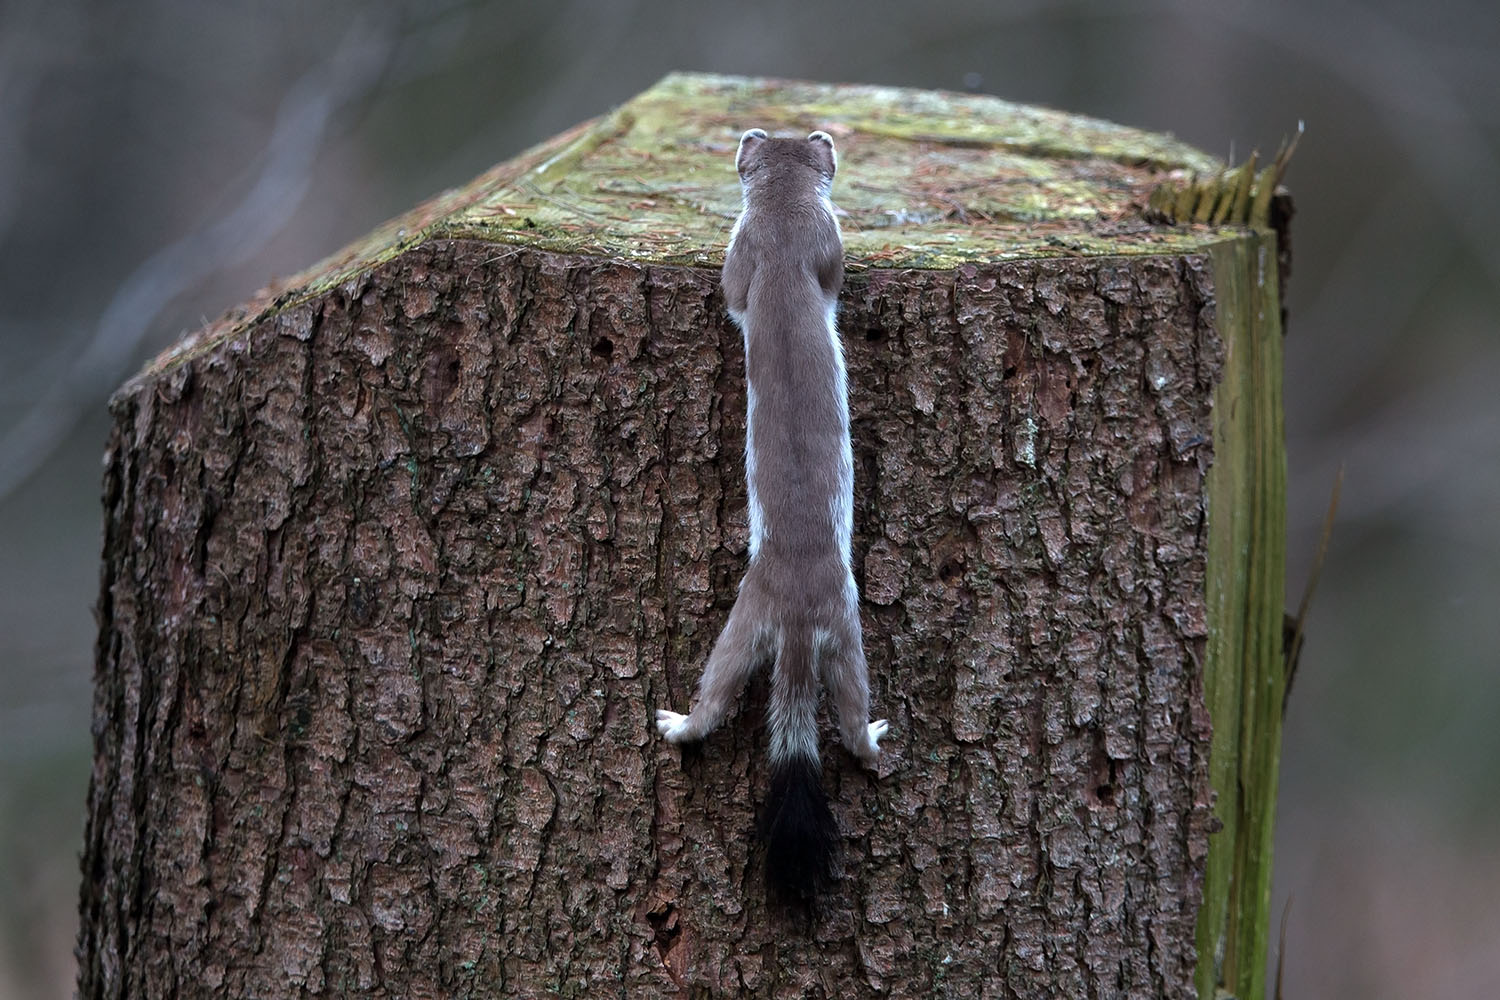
(798,829)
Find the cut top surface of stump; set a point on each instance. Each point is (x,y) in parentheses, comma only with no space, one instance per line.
(927,179)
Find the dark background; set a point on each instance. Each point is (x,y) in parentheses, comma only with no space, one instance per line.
(161,160)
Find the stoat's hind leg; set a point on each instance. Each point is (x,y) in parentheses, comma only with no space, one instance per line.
(672,725)
(847,679)
(738,650)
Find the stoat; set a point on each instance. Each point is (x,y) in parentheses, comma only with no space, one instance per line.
(797,602)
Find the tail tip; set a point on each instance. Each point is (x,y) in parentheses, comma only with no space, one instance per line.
(799,831)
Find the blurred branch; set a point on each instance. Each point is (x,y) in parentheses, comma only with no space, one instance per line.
(302,122)
(20,76)
(1429,459)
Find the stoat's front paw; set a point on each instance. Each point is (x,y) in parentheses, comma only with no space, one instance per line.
(671,725)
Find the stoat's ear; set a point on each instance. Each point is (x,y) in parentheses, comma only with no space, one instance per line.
(749,142)
(822,144)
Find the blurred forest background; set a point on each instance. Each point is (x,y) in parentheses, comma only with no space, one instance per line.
(162,159)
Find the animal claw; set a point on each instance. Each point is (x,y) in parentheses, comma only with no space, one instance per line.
(671,725)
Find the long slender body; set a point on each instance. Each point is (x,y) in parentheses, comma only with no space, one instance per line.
(797,603)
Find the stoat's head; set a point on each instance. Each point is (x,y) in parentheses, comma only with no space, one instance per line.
(789,166)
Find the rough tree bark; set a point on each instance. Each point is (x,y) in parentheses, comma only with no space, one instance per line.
(399,562)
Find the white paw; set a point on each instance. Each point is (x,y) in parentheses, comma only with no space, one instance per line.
(869,754)
(671,725)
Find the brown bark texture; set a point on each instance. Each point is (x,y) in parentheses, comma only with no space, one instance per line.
(396,577)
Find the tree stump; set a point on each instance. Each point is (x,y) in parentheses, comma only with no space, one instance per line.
(401,558)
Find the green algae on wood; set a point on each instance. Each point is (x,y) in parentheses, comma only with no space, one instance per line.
(1244,670)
